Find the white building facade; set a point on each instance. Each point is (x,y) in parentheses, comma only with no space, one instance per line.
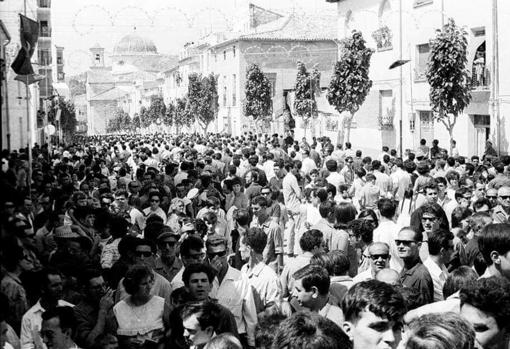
(402,29)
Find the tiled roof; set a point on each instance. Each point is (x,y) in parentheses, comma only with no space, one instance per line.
(320,25)
(110,95)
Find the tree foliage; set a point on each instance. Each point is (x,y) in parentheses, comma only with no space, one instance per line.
(202,99)
(156,110)
(181,116)
(168,120)
(120,122)
(350,83)
(136,122)
(258,103)
(67,116)
(447,74)
(307,85)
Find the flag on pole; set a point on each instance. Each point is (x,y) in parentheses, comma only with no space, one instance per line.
(29,33)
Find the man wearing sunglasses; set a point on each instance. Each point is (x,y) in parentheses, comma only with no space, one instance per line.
(232,289)
(414,274)
(501,212)
(167,264)
(379,254)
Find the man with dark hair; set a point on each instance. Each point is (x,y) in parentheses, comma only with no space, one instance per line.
(414,274)
(309,330)
(311,242)
(232,289)
(387,231)
(440,243)
(486,305)
(261,277)
(494,244)
(334,177)
(273,251)
(51,293)
(312,292)
(382,180)
(58,327)
(373,312)
(335,239)
(94,313)
(201,322)
(192,250)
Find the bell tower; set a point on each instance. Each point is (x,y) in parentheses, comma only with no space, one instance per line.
(97,56)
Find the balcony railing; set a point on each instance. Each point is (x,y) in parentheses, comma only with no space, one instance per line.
(480,78)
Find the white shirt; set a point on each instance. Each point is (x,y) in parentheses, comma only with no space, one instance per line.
(387,232)
(335,179)
(31,322)
(401,181)
(265,284)
(291,192)
(308,165)
(177,280)
(363,276)
(439,275)
(236,295)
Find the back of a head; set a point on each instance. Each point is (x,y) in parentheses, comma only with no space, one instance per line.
(494,238)
(457,279)
(311,331)
(310,240)
(387,208)
(440,331)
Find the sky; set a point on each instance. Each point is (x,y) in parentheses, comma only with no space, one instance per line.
(78,25)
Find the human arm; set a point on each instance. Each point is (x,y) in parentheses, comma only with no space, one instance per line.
(249,314)
(89,338)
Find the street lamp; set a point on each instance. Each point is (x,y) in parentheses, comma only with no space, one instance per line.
(398,64)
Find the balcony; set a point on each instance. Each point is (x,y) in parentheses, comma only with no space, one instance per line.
(480,78)
(44,32)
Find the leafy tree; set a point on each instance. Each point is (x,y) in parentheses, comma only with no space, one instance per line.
(202,101)
(447,75)
(257,103)
(168,120)
(144,118)
(307,85)
(156,110)
(181,116)
(350,82)
(77,85)
(136,123)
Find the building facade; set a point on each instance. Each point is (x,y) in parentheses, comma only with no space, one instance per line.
(399,29)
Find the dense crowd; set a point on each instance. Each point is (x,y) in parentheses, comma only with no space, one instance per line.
(256,241)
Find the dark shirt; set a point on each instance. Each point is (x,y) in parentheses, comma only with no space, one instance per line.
(168,272)
(471,252)
(86,316)
(418,278)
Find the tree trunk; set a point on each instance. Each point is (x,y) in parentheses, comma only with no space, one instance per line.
(348,122)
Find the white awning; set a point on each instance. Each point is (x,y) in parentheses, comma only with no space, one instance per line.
(61,89)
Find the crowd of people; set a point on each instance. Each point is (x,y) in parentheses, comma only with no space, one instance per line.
(255,241)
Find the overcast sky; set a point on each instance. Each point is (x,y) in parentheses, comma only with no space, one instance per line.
(78,25)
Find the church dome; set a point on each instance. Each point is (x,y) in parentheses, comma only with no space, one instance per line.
(133,44)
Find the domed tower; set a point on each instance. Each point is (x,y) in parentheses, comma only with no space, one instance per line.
(134,45)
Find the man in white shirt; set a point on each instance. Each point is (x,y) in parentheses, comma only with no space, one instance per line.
(51,293)
(387,231)
(379,254)
(307,163)
(401,181)
(441,247)
(263,279)
(232,289)
(334,177)
(292,200)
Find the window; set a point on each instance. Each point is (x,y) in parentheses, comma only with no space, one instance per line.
(44,57)
(44,3)
(422,2)
(423,52)
(224,96)
(386,108)
(234,51)
(44,28)
(98,58)
(234,89)
(225,55)
(60,60)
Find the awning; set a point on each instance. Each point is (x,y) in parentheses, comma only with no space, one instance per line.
(61,89)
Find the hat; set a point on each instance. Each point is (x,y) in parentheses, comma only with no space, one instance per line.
(168,234)
(65,232)
(187,227)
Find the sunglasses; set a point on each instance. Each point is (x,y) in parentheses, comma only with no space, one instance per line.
(211,255)
(429,219)
(266,193)
(154,200)
(405,242)
(146,254)
(505,197)
(168,243)
(375,257)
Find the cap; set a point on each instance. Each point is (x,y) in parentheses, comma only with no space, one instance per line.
(65,232)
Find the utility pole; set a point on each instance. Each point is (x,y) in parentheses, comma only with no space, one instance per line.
(401,92)
(495,73)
